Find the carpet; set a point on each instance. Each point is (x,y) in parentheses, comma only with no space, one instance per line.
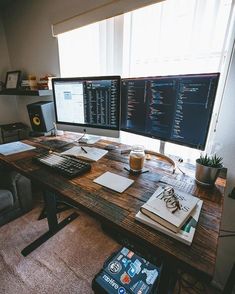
(66,263)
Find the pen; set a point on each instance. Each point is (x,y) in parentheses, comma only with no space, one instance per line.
(83,149)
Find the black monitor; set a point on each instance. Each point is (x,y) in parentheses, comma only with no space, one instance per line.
(174,109)
(90,104)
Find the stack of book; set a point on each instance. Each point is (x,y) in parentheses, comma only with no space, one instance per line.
(180,224)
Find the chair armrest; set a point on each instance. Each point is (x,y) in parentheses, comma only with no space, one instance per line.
(24,192)
(19,186)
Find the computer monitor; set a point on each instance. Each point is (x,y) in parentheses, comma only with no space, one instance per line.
(88,104)
(174,109)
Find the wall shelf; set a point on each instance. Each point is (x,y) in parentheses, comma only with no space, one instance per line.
(26,92)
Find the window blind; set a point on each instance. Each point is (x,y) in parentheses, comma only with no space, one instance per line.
(99,12)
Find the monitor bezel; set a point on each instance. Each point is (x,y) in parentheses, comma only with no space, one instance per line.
(194,146)
(88,126)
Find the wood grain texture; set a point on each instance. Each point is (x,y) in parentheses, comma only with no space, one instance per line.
(118,210)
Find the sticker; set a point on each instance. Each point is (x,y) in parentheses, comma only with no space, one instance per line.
(124,251)
(125,279)
(125,261)
(115,267)
(137,265)
(120,257)
(110,281)
(140,288)
(151,275)
(121,290)
(146,262)
(132,270)
(130,254)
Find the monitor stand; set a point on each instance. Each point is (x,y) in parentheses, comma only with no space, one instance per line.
(162,147)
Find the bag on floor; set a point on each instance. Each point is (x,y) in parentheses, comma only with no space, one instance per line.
(127,273)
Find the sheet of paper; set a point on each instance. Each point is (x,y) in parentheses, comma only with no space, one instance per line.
(90,153)
(14,147)
(114,182)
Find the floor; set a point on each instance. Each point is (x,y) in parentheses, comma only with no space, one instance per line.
(66,263)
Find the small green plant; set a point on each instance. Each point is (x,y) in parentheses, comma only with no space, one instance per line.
(213,161)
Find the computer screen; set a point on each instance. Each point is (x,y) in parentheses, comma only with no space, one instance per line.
(90,103)
(175,109)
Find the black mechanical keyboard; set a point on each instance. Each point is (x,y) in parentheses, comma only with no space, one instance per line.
(68,167)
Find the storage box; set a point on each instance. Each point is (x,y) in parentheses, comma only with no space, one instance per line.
(126,273)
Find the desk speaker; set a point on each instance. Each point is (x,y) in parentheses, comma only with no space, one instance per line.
(42,116)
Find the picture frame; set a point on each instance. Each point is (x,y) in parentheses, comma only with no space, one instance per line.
(13,79)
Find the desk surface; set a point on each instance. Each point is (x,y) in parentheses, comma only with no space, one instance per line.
(118,210)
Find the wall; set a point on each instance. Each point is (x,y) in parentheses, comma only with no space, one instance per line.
(33,49)
(225,136)
(7,103)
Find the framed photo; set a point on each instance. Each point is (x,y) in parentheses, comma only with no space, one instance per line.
(13,79)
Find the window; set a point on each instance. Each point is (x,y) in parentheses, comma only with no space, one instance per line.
(184,36)
(172,37)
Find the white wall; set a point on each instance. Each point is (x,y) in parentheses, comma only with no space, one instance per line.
(225,136)
(7,103)
(33,49)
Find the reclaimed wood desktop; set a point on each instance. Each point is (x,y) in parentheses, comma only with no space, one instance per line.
(117,211)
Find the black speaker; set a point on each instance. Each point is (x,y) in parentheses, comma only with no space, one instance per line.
(42,116)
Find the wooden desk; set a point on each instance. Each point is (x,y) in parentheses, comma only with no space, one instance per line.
(117,211)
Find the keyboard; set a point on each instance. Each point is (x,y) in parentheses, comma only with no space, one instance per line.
(68,167)
(184,185)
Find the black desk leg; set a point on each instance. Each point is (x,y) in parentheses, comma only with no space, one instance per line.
(168,278)
(54,226)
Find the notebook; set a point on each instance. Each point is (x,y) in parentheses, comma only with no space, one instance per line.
(15,147)
(114,182)
(89,153)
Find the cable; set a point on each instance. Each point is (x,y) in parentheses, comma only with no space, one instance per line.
(227,231)
(83,135)
(228,235)
(181,170)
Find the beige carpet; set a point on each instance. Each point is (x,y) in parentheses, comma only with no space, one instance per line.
(64,264)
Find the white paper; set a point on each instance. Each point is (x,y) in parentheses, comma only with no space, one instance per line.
(92,154)
(14,147)
(114,182)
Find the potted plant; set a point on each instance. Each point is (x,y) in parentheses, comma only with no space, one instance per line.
(207,169)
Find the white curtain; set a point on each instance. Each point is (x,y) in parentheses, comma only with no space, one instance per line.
(171,37)
(175,37)
(92,50)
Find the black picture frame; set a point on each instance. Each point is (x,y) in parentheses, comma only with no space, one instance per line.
(13,79)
